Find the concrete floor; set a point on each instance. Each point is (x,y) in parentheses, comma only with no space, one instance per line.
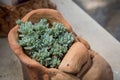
(105,12)
(9,63)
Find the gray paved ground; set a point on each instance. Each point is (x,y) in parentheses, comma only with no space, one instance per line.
(10,67)
(105,12)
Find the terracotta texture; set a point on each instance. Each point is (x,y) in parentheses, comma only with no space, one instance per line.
(100,69)
(75,58)
(9,14)
(79,63)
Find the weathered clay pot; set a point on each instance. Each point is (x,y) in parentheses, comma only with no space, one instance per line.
(80,62)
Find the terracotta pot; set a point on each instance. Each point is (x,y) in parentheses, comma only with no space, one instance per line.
(77,65)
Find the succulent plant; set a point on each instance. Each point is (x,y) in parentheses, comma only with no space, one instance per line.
(44,43)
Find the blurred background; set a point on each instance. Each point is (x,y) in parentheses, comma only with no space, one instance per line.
(105,12)
(12,10)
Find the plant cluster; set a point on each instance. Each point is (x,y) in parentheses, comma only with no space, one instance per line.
(44,43)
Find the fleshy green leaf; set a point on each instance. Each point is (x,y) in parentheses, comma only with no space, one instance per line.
(44,43)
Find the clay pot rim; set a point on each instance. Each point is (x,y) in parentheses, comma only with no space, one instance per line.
(13,38)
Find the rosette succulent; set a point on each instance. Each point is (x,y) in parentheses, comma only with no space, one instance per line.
(44,42)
